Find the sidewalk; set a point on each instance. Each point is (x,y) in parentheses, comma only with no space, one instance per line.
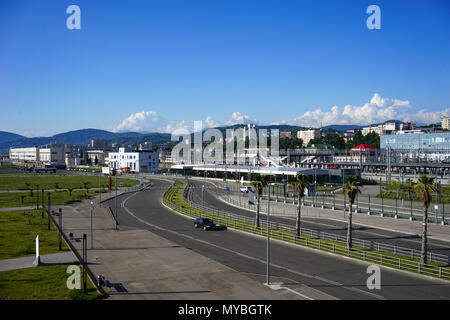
(435,231)
(27,262)
(143,265)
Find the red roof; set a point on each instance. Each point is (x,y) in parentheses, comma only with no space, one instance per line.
(364,146)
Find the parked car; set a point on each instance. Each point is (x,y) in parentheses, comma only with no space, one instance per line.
(246,189)
(205,223)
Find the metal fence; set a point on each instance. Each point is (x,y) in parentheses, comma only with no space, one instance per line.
(371,205)
(313,240)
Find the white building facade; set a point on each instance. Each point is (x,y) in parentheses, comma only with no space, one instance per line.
(136,161)
(307,135)
(24,154)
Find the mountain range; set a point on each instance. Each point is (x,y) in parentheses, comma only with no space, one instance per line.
(83,137)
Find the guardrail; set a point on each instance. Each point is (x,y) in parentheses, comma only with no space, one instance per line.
(407,252)
(365,204)
(247,224)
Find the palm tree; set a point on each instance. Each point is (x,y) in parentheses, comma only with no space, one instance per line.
(408,187)
(259,183)
(351,188)
(70,189)
(425,186)
(300,183)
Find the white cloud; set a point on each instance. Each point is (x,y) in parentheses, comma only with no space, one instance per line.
(239,118)
(210,123)
(139,121)
(378,109)
(179,128)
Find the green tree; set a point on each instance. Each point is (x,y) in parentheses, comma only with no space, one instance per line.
(335,140)
(70,189)
(351,188)
(259,183)
(425,186)
(300,183)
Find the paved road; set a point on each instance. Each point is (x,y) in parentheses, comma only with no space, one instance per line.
(325,225)
(336,276)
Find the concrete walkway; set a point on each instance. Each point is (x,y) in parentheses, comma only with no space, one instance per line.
(27,262)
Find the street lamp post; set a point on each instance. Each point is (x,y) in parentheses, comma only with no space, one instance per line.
(92,225)
(203,190)
(115,200)
(100,191)
(268,239)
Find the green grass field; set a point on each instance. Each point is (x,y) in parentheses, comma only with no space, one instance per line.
(24,199)
(42,283)
(18,232)
(57,181)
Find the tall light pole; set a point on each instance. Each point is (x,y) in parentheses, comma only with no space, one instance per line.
(203,190)
(268,239)
(92,225)
(115,200)
(100,191)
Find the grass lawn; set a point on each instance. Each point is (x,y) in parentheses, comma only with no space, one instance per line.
(17,236)
(24,199)
(57,181)
(41,283)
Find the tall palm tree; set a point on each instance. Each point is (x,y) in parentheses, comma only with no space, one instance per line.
(425,186)
(259,183)
(408,187)
(300,183)
(351,188)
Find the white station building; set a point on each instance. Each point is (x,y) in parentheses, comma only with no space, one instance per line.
(137,161)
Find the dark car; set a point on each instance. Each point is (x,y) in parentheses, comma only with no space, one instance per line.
(205,223)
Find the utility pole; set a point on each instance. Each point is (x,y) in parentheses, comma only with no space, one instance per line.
(92,225)
(115,200)
(60,229)
(268,240)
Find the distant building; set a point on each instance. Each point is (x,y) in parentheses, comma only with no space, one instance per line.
(96,157)
(54,153)
(146,146)
(445,124)
(285,134)
(137,161)
(307,135)
(24,155)
(98,143)
(360,154)
(390,127)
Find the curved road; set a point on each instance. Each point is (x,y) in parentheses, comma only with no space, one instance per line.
(325,225)
(339,277)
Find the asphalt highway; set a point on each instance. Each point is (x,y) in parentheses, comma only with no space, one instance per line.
(339,277)
(325,225)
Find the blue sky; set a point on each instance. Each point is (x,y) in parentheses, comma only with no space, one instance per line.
(159,65)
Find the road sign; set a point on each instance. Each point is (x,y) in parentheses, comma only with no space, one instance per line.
(141,181)
(121,183)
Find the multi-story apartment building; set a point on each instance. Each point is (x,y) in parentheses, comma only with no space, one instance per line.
(307,135)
